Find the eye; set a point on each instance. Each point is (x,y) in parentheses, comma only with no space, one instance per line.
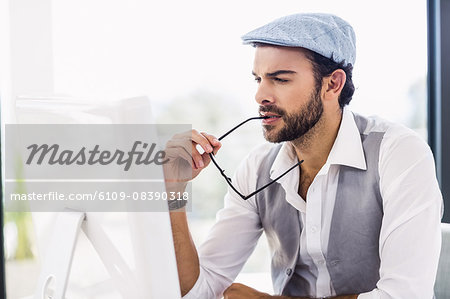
(257,79)
(280,80)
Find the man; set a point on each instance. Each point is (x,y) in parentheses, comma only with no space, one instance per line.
(360,217)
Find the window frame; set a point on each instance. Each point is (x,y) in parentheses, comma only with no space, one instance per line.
(439,93)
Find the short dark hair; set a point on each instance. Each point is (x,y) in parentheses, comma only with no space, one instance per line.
(323,67)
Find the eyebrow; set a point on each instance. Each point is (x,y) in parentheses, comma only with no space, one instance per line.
(276,73)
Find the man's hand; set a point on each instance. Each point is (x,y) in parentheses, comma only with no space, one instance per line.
(185,161)
(240,291)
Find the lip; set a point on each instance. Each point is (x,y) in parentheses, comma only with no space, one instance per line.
(270,121)
(273,118)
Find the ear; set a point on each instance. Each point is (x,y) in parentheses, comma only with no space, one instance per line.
(334,84)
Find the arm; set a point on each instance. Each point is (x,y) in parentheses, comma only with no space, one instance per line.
(410,234)
(228,245)
(185,163)
(185,251)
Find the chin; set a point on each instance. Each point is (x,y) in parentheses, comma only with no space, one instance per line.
(270,135)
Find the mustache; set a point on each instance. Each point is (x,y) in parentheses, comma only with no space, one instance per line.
(272,109)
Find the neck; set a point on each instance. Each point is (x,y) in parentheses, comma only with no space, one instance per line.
(315,146)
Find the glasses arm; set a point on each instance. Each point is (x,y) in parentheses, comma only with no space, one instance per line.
(245,121)
(227,179)
(273,181)
(222,172)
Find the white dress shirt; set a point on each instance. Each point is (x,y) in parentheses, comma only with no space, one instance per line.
(410,238)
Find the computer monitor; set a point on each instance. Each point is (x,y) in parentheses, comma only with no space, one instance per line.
(116,254)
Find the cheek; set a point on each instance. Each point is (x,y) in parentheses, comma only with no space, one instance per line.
(294,96)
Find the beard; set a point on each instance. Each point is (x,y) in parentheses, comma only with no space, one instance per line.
(297,123)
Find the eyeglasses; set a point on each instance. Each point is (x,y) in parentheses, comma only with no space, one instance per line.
(228,179)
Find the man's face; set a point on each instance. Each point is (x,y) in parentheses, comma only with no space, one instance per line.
(287,92)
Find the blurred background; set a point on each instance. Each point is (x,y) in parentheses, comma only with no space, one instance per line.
(187,57)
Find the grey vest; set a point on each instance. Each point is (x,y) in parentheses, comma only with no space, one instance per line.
(352,260)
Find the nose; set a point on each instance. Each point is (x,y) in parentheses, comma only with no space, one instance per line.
(264,95)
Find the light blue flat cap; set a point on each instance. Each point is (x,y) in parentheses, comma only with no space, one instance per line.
(325,34)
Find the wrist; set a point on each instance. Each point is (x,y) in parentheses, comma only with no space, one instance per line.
(176,186)
(178,203)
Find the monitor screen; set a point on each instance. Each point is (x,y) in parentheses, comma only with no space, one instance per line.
(88,253)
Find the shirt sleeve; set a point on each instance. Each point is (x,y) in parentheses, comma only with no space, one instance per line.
(232,238)
(410,236)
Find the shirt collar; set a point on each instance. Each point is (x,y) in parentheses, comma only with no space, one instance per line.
(347,149)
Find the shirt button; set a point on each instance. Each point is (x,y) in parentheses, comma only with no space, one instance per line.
(288,271)
(314,229)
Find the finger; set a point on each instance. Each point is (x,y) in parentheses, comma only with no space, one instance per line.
(213,141)
(206,159)
(174,153)
(206,141)
(194,138)
(202,141)
(184,142)
(211,138)
(176,149)
(197,157)
(187,156)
